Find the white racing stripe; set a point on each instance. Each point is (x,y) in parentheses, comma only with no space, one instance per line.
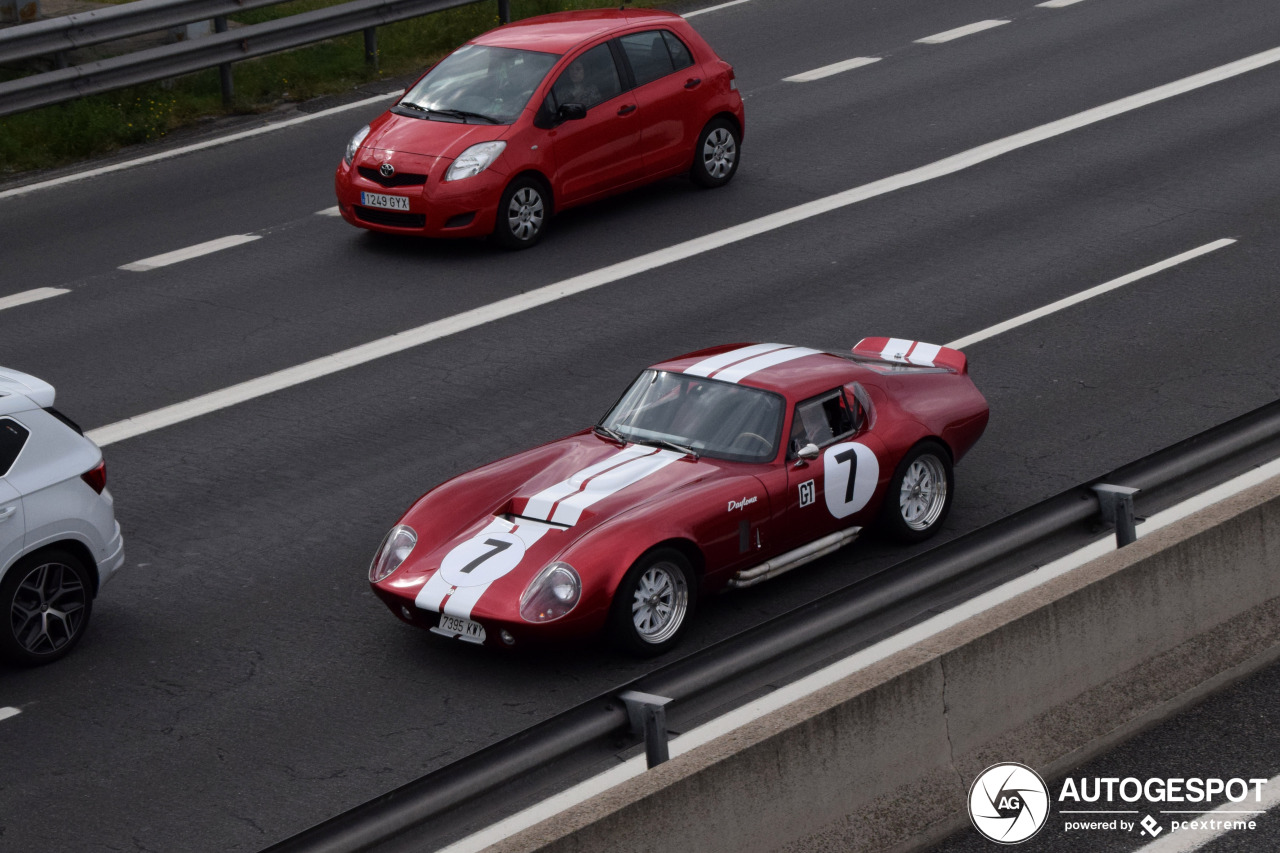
(910,352)
(212,402)
(740,371)
(1023,319)
(543,504)
(808,685)
(960,32)
(710,365)
(1184,841)
(564,502)
(464,598)
(190,252)
(29,296)
(830,70)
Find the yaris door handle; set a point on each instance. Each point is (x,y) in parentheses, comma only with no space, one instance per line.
(6,512)
(692,82)
(627,110)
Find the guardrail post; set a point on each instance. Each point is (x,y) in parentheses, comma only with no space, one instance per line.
(224,70)
(371,46)
(504,11)
(648,716)
(1115,503)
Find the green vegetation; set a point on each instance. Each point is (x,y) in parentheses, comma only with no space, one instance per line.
(99,124)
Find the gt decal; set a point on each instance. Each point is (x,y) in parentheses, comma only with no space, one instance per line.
(850,472)
(806,493)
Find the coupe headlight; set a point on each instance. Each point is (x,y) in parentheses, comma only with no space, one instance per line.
(474,160)
(552,594)
(393,551)
(354,145)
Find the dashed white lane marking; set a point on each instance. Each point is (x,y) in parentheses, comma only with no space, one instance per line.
(1184,841)
(30,296)
(1083,295)
(960,32)
(190,252)
(834,68)
(199,146)
(6,713)
(329,211)
(715,8)
(1058,4)
(400,341)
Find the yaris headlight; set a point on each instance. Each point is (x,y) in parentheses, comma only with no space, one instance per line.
(393,551)
(474,160)
(354,145)
(552,594)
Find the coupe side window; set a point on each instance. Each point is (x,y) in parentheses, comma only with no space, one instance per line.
(590,79)
(821,420)
(13,436)
(647,52)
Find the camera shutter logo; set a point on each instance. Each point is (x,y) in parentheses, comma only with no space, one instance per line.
(1008,803)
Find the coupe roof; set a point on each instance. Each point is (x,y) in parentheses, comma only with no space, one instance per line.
(560,32)
(794,372)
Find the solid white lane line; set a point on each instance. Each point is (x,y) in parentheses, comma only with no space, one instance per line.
(1058,4)
(1184,841)
(30,296)
(199,146)
(834,68)
(716,8)
(797,690)
(6,713)
(190,252)
(211,402)
(960,32)
(329,211)
(1084,295)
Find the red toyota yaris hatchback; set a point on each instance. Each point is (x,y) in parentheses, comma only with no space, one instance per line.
(539,116)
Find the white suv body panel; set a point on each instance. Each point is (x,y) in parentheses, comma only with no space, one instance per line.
(55,503)
(12,526)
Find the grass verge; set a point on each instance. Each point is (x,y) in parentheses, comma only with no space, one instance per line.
(87,127)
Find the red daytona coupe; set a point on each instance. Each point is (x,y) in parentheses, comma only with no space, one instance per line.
(721,468)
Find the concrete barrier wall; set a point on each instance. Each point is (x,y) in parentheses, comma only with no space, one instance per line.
(883,759)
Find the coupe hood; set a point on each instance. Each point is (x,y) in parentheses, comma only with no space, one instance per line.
(429,138)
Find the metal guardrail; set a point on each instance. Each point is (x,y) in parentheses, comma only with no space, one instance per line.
(1166,474)
(218,50)
(70,32)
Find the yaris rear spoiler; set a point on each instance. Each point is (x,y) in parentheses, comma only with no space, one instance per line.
(916,353)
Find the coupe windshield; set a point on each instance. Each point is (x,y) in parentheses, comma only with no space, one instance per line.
(716,419)
(480,84)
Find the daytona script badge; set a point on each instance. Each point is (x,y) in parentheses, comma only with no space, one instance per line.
(1008,803)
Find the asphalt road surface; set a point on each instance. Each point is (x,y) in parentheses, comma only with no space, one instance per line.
(240,683)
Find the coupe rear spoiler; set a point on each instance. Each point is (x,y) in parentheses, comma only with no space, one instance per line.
(36,390)
(915,353)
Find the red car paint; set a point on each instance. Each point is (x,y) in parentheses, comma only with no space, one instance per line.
(643,134)
(726,515)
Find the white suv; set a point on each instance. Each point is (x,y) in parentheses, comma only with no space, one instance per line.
(59,540)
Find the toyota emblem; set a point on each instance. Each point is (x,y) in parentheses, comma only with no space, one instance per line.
(386,170)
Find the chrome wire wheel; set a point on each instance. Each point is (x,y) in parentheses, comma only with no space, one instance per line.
(525,214)
(48,608)
(660,602)
(719,153)
(923,495)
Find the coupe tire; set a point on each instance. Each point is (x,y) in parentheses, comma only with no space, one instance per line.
(920,493)
(652,606)
(715,157)
(45,599)
(523,212)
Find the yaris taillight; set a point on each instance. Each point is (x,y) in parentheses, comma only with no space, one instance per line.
(96,477)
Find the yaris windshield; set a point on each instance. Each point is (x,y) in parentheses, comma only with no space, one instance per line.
(716,419)
(479,84)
